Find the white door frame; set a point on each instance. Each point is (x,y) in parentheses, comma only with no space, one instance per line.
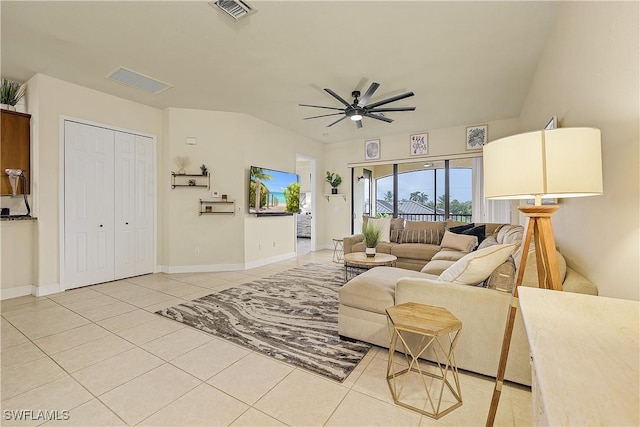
(61,190)
(314,197)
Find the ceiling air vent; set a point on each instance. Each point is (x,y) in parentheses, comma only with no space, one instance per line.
(137,80)
(237,9)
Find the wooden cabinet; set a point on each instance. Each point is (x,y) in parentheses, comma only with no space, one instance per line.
(15,148)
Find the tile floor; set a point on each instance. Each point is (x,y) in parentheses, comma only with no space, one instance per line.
(100,357)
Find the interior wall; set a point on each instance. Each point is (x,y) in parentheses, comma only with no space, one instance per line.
(589,76)
(49,99)
(442,143)
(229,144)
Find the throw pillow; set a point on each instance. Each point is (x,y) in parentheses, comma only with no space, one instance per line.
(460,228)
(416,236)
(478,231)
(459,242)
(435,230)
(503,278)
(384,225)
(475,267)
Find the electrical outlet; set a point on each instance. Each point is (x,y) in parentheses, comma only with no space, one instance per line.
(196,250)
(259,245)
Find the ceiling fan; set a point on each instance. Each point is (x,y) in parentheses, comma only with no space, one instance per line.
(359,108)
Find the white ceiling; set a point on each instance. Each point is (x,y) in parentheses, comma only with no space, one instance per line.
(467,62)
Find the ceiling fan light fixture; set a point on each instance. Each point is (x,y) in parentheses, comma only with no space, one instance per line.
(356,117)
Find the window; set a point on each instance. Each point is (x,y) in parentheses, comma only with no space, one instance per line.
(426,190)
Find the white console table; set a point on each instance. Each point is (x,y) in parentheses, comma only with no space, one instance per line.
(586,355)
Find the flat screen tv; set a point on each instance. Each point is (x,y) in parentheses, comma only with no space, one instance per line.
(273,192)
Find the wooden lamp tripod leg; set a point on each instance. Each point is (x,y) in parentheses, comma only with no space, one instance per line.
(538,227)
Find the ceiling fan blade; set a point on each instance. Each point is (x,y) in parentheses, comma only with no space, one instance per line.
(377,117)
(324,115)
(358,124)
(389,109)
(339,120)
(320,106)
(392,99)
(336,96)
(363,101)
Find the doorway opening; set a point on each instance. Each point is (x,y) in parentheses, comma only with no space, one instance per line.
(305,219)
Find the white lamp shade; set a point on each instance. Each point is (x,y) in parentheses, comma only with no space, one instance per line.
(558,163)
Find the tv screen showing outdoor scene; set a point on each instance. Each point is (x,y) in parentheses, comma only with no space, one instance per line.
(273,192)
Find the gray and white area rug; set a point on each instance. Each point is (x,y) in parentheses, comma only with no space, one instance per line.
(291,316)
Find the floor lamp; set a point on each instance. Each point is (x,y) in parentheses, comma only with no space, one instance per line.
(556,163)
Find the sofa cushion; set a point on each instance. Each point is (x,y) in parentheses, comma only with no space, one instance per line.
(419,251)
(459,242)
(508,234)
(488,241)
(374,290)
(384,225)
(448,255)
(436,229)
(530,277)
(475,267)
(436,267)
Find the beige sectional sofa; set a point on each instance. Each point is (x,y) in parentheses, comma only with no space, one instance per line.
(483,311)
(411,256)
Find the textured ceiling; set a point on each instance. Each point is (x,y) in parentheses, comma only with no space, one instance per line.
(467,62)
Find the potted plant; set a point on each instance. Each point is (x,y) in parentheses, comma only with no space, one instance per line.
(10,93)
(334,180)
(371,235)
(203,168)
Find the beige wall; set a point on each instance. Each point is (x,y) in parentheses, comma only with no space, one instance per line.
(588,76)
(228,143)
(16,252)
(443,143)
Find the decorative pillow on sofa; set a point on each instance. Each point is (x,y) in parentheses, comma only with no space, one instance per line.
(476,266)
(459,242)
(430,232)
(503,278)
(460,228)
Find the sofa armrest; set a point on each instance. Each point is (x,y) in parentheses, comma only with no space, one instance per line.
(483,313)
(577,283)
(349,241)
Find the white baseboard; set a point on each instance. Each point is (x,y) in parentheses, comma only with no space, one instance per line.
(43,290)
(19,291)
(171,269)
(38,291)
(267,261)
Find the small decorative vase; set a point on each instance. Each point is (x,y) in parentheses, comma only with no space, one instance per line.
(181,171)
(334,191)
(370,252)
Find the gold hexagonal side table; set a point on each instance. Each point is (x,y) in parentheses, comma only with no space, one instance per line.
(424,329)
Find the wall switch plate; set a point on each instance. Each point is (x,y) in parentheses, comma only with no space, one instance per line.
(191,140)
(215,194)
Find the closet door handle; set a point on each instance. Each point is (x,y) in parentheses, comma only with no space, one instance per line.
(100,225)
(126,223)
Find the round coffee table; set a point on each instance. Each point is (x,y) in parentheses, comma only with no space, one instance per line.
(357,262)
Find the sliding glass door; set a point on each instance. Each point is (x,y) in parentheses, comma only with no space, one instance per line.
(429,190)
